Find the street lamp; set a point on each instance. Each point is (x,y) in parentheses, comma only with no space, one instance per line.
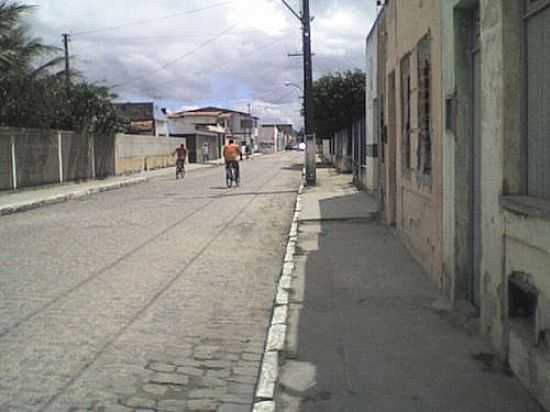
(297,87)
(288,84)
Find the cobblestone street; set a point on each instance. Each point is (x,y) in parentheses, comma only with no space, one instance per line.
(155,297)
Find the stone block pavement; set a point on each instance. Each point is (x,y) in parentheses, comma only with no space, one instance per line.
(152,298)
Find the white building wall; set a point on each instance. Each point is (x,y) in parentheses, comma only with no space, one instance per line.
(181,126)
(188,124)
(161,128)
(267,140)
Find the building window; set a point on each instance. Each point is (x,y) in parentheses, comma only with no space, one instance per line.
(537,31)
(405,90)
(424,72)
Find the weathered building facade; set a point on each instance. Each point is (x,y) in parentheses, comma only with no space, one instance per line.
(408,94)
(463,132)
(497,175)
(274,138)
(148,119)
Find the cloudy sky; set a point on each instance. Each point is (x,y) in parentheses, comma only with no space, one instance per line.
(190,53)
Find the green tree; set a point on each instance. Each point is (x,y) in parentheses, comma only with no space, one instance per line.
(338,101)
(33,90)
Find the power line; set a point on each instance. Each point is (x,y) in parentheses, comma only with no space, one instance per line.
(146,21)
(265,47)
(201,46)
(169,36)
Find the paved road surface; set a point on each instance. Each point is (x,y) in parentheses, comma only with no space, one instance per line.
(154,297)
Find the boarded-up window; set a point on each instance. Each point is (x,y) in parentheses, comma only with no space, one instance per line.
(424,73)
(405,114)
(538,98)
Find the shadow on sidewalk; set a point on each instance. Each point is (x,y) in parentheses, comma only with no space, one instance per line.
(363,334)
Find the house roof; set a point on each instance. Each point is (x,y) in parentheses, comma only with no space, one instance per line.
(214,109)
(192,114)
(379,17)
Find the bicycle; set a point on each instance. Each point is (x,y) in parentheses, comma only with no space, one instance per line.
(231,174)
(180,169)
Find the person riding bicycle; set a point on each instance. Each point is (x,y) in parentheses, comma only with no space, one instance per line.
(181,153)
(232,154)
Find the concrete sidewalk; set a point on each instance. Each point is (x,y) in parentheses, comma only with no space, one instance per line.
(363,331)
(34,197)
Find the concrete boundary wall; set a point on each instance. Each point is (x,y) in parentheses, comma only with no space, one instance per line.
(36,157)
(6,177)
(33,157)
(134,154)
(75,150)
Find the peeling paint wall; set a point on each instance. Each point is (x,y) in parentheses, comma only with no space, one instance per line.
(419,196)
(514,228)
(527,343)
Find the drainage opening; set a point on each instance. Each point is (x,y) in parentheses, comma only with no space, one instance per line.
(522,304)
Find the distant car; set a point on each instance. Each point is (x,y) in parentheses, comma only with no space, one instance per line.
(301,146)
(290,147)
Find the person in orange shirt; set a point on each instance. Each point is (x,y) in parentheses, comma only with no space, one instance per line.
(232,154)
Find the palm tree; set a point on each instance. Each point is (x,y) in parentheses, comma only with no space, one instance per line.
(34,95)
(18,50)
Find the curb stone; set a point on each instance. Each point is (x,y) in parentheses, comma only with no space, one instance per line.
(268,376)
(280,315)
(276,339)
(285,282)
(282,297)
(267,406)
(78,194)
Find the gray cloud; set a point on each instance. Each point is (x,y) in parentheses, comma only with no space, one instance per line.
(161,58)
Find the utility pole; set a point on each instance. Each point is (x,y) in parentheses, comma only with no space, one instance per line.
(308,97)
(249,122)
(67,60)
(311,150)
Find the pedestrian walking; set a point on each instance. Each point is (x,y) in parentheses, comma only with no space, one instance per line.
(205,152)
